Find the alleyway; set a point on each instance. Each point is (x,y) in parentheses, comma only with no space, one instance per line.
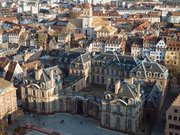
(161,122)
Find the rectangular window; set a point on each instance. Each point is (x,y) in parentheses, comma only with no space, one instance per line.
(26,91)
(42,93)
(107,107)
(170,117)
(97,78)
(107,71)
(177,127)
(176,110)
(171,126)
(175,118)
(102,79)
(129,111)
(112,72)
(34,93)
(102,71)
(93,77)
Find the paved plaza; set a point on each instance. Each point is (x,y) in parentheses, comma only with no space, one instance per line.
(71,126)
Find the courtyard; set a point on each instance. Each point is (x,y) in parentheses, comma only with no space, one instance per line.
(71,125)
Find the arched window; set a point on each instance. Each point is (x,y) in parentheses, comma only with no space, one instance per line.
(118,109)
(138,73)
(149,74)
(130,111)
(54,106)
(118,123)
(61,104)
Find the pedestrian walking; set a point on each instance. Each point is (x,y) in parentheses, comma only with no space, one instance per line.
(81,122)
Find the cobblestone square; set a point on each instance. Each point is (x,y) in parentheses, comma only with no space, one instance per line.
(71,126)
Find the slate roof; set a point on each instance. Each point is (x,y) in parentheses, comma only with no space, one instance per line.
(45,76)
(111,58)
(146,67)
(10,70)
(153,96)
(71,55)
(127,90)
(83,58)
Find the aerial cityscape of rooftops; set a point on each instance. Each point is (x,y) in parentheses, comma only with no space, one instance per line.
(89,67)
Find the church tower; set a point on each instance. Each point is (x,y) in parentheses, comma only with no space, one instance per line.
(87,20)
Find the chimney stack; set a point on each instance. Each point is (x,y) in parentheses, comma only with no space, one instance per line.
(117,86)
(139,89)
(38,72)
(52,77)
(25,72)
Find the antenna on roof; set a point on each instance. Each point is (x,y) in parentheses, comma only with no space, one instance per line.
(116,56)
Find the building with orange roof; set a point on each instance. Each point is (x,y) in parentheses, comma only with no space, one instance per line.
(14,36)
(9,19)
(141,28)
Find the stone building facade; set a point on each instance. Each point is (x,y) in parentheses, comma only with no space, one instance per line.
(119,106)
(173,118)
(40,90)
(122,111)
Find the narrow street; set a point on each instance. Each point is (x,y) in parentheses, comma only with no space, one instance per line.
(159,127)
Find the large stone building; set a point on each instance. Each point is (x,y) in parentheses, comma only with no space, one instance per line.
(149,72)
(40,90)
(109,67)
(173,118)
(102,86)
(122,110)
(8,100)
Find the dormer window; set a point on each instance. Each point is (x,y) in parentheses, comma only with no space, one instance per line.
(156,74)
(138,73)
(149,74)
(42,85)
(161,75)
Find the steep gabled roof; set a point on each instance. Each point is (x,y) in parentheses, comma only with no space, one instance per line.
(154,96)
(127,90)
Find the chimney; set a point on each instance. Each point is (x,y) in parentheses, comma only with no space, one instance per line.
(52,77)
(139,89)
(38,72)
(130,80)
(25,72)
(117,86)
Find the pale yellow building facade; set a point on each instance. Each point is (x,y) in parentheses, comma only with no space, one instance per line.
(8,99)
